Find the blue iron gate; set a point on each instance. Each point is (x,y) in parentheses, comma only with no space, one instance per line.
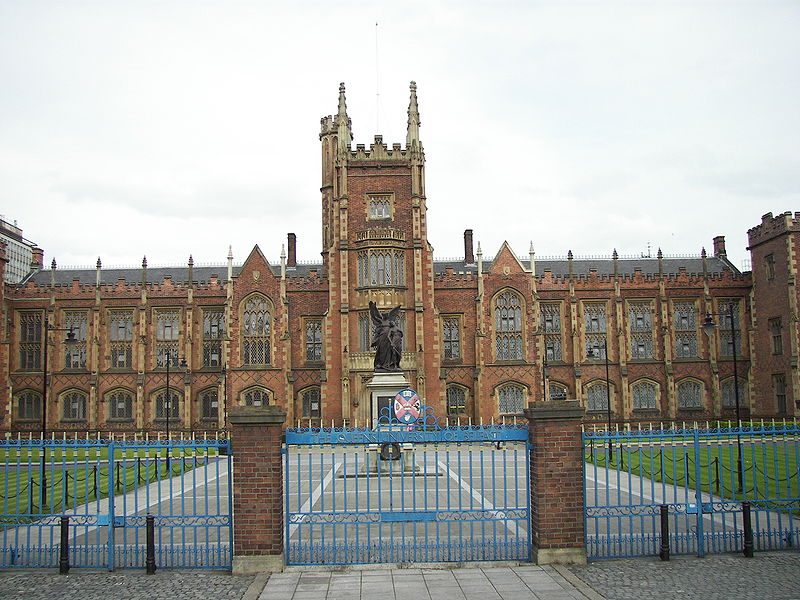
(702,476)
(107,488)
(398,494)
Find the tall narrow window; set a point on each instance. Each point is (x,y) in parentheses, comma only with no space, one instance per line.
(213,334)
(456,400)
(451,330)
(256,332)
(779,385)
(769,266)
(312,403)
(167,331)
(30,341)
(29,406)
(641,326)
(597,396)
(551,326)
(776,331)
(313,340)
(380,207)
(120,335)
(726,338)
(508,326)
(685,325)
(594,317)
(511,399)
(209,401)
(690,395)
(74,406)
(75,353)
(120,405)
(645,394)
(364,333)
(729,392)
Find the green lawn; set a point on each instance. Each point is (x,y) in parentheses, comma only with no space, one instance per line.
(78,476)
(770,467)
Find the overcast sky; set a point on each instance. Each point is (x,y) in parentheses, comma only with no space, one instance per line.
(172,128)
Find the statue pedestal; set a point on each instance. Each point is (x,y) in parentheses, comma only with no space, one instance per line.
(383,388)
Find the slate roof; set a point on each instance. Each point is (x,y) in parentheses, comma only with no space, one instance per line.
(180,275)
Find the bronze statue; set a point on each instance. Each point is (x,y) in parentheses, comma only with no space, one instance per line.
(387,339)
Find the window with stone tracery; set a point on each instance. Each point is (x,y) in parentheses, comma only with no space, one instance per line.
(75,351)
(728,391)
(728,340)
(120,337)
(213,334)
(74,406)
(594,318)
(640,322)
(551,327)
(690,394)
(167,332)
(120,405)
(380,207)
(685,325)
(451,332)
(377,268)
(645,395)
(30,341)
(597,396)
(508,327)
(511,399)
(256,331)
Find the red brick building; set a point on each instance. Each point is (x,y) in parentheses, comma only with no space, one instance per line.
(483,337)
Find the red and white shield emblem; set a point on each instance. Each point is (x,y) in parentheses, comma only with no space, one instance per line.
(407,406)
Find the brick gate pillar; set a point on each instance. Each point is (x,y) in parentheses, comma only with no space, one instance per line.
(554,430)
(257,488)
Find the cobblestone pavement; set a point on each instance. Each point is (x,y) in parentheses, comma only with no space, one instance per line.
(122,585)
(768,575)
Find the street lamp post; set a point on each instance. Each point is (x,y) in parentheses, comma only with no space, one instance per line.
(70,339)
(709,327)
(591,354)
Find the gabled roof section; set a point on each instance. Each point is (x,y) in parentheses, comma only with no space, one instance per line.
(256,257)
(506,262)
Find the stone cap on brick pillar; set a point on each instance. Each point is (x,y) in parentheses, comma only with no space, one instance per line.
(551,410)
(257,415)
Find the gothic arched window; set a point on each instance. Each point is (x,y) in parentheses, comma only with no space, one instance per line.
(256,330)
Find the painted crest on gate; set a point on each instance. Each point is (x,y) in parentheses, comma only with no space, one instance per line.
(407,406)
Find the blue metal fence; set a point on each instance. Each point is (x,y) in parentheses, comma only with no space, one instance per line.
(407,494)
(107,488)
(702,476)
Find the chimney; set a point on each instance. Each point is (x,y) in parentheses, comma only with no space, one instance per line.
(37,260)
(292,245)
(469,257)
(719,246)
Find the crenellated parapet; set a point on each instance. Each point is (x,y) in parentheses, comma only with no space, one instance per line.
(771,227)
(379,151)
(122,288)
(310,282)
